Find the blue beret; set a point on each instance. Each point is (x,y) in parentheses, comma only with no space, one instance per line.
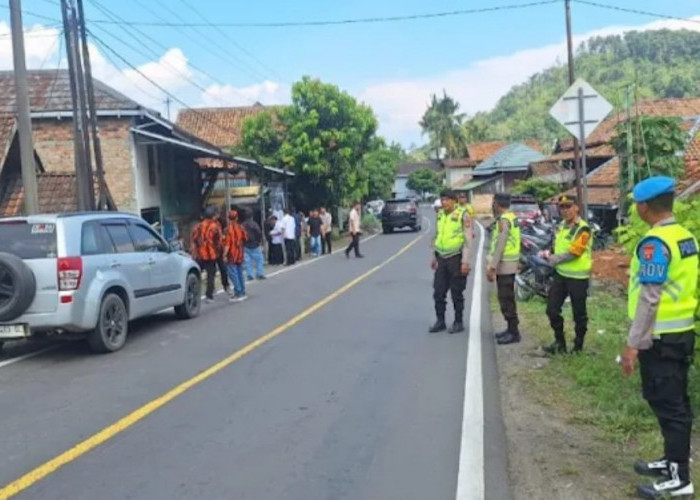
(652,187)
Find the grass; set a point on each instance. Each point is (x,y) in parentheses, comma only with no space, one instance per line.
(590,388)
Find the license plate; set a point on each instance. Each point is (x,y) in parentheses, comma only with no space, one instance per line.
(13,331)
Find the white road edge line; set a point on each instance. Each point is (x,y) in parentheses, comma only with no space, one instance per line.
(27,356)
(470,479)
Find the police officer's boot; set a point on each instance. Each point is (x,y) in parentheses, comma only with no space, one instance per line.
(439,326)
(559,345)
(677,485)
(457,326)
(655,468)
(512,335)
(578,345)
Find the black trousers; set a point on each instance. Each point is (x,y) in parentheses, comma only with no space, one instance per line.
(326,242)
(664,371)
(299,253)
(448,276)
(223,272)
(505,285)
(354,244)
(577,290)
(209,266)
(290,248)
(276,254)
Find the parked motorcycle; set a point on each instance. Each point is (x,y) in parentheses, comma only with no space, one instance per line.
(535,278)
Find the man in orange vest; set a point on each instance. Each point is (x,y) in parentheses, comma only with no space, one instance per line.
(234,253)
(210,249)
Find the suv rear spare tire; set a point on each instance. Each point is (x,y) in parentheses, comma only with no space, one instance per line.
(17,287)
(112,325)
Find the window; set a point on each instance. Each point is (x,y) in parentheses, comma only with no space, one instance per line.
(152,164)
(28,241)
(146,240)
(95,240)
(120,237)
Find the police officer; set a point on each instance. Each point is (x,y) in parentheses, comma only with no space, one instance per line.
(662,305)
(463,203)
(504,257)
(572,260)
(451,261)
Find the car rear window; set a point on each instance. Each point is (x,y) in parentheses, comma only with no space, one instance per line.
(398,205)
(524,207)
(28,240)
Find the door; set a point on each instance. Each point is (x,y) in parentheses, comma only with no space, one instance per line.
(133,266)
(164,266)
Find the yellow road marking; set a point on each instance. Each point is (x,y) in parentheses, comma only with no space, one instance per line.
(139,414)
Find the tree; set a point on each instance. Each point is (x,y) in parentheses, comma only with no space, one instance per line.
(380,166)
(443,125)
(477,129)
(540,189)
(424,181)
(656,142)
(323,137)
(262,137)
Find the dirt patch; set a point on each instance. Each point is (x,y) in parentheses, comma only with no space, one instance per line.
(611,266)
(549,456)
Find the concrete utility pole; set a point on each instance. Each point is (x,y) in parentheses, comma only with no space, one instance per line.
(92,111)
(572,77)
(24,120)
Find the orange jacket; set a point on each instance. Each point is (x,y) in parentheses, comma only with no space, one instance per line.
(211,240)
(234,241)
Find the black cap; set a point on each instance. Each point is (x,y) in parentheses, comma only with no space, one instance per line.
(448,193)
(502,199)
(567,199)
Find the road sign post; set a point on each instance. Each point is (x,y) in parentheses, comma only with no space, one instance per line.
(580,110)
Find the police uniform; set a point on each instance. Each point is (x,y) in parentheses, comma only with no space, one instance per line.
(452,248)
(504,257)
(573,260)
(662,305)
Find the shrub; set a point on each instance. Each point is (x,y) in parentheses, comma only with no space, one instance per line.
(370,224)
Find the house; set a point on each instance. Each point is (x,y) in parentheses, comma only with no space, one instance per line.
(511,162)
(150,164)
(552,171)
(223,127)
(401,189)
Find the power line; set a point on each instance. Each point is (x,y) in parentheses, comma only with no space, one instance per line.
(636,11)
(112,15)
(59,40)
(363,20)
(34,14)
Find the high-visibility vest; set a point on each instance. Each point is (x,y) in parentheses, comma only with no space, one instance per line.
(676,313)
(512,251)
(580,267)
(468,208)
(449,239)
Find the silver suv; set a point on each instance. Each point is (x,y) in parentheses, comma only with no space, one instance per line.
(90,274)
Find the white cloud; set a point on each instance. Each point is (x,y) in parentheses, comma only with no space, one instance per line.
(399,105)
(266,92)
(41,46)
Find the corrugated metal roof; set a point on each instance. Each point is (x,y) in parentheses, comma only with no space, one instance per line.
(511,158)
(475,183)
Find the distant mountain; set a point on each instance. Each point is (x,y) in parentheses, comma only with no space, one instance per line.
(658,64)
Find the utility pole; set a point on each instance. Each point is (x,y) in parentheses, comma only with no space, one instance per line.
(78,145)
(572,77)
(92,110)
(167,105)
(24,121)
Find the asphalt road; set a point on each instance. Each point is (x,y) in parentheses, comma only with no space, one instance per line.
(345,396)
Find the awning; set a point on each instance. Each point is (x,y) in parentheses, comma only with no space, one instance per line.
(178,142)
(474,184)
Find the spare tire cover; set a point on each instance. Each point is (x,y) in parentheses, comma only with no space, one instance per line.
(17,287)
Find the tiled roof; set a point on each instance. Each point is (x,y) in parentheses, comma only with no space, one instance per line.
(545,168)
(222,127)
(600,151)
(513,157)
(7,134)
(482,150)
(49,90)
(57,193)
(406,168)
(459,163)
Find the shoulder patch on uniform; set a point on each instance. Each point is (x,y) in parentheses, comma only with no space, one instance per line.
(688,247)
(654,257)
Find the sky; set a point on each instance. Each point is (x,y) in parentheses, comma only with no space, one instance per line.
(392,66)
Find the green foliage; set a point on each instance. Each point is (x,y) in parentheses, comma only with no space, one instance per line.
(323,137)
(444,127)
(655,140)
(370,224)
(540,189)
(424,181)
(660,64)
(380,165)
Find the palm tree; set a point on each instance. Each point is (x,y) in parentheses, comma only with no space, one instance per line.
(444,126)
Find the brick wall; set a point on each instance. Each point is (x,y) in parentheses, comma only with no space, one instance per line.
(53,140)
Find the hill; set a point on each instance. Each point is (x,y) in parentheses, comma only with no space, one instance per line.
(657,64)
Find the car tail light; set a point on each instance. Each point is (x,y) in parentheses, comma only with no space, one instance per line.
(412,210)
(70,272)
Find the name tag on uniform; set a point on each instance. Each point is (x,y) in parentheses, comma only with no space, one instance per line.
(688,248)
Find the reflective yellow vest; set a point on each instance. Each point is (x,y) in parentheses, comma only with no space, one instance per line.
(449,239)
(676,313)
(512,250)
(468,208)
(580,267)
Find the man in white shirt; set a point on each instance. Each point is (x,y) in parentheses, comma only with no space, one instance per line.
(290,236)
(326,230)
(354,228)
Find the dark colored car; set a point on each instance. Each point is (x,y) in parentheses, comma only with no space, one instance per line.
(400,213)
(525,207)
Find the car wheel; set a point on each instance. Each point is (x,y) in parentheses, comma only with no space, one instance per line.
(193,298)
(17,287)
(387,229)
(112,325)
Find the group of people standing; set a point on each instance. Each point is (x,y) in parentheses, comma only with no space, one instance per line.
(286,230)
(662,304)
